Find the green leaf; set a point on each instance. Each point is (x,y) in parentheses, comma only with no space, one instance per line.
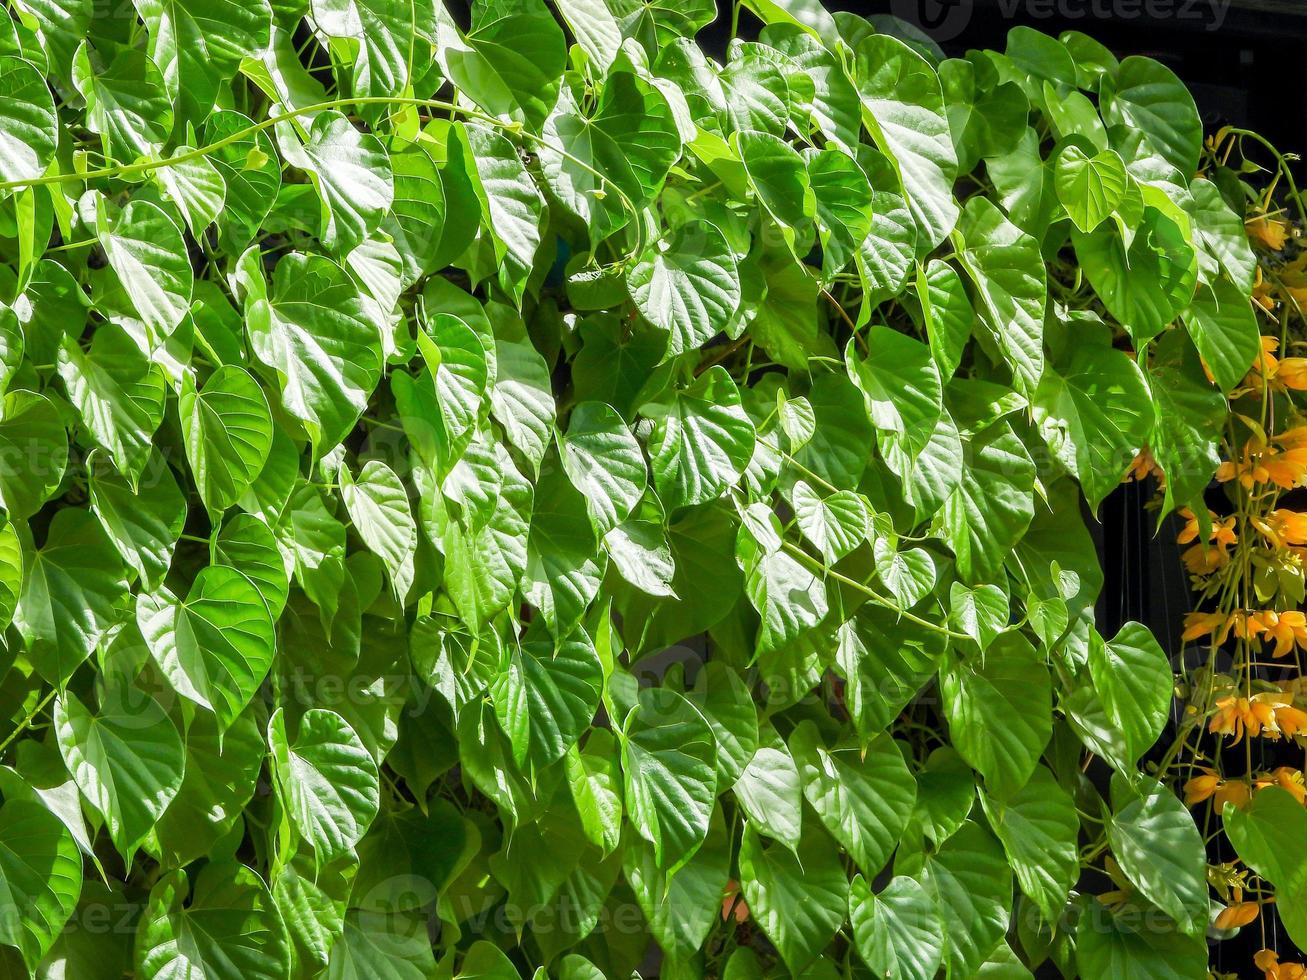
(1160,850)
(377,503)
(384,33)
(126,101)
(74,592)
(604,462)
(351,172)
(770,791)
(1095,414)
(909,574)
(144,523)
(1222,326)
(681,908)
(1189,413)
(903,108)
(1146,97)
(197,188)
(1263,834)
(224,919)
(1008,273)
(250,174)
(547,695)
(227,430)
(30,126)
(780,180)
(885,662)
(40,878)
(982,613)
(897,931)
(147,253)
(835,524)
(33,452)
(844,204)
(1010,682)
(1039,829)
(669,765)
(1090,188)
(948,314)
(327,780)
(900,385)
(315,331)
(702,441)
(687,286)
(377,946)
(563,573)
(799,900)
(126,757)
(522,398)
(511,61)
(595,29)
(512,206)
(1146,283)
(439,410)
(222,773)
(198,44)
(119,394)
(588,159)
(993,504)
(972,886)
(247,543)
(1112,946)
(11,572)
(863,798)
(216,645)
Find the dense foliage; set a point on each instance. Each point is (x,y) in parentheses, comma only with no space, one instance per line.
(490,497)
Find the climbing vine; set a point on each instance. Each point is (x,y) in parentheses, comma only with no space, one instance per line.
(525,496)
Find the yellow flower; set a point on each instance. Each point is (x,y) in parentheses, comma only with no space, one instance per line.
(1271,232)
(1287,779)
(1268,961)
(1222,528)
(1144,466)
(1283,527)
(1200,624)
(1243,716)
(1201,787)
(1288,629)
(1290,720)
(1292,373)
(1237,915)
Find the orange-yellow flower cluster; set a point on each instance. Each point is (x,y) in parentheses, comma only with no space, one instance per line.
(1271,232)
(1268,961)
(1283,528)
(1286,778)
(1279,372)
(1209,784)
(1283,463)
(1269,715)
(1144,466)
(1203,558)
